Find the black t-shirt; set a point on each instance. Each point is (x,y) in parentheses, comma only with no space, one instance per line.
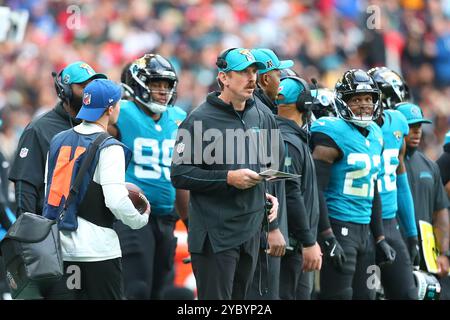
(426,186)
(31,154)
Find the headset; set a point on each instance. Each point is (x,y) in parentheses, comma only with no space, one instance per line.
(221,61)
(305,100)
(64,91)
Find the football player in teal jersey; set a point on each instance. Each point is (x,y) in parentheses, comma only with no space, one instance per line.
(397,278)
(347,152)
(148,125)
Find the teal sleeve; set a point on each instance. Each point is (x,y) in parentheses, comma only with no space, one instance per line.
(405,203)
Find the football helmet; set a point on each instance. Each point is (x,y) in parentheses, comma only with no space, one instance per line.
(323,103)
(392,86)
(356,82)
(151,67)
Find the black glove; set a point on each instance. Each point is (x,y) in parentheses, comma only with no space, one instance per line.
(413,249)
(384,253)
(333,251)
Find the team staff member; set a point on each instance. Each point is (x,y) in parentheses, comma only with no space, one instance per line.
(302,196)
(430,199)
(347,153)
(444,164)
(87,236)
(227,200)
(27,171)
(266,280)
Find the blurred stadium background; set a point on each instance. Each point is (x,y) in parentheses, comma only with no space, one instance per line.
(324,37)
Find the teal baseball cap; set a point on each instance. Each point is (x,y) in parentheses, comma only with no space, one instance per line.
(79,72)
(290,89)
(270,60)
(412,113)
(447,138)
(237,59)
(98,95)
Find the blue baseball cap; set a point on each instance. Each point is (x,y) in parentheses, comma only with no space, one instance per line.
(79,72)
(412,113)
(270,60)
(290,89)
(447,138)
(239,59)
(97,96)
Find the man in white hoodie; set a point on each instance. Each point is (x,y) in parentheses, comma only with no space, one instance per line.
(90,246)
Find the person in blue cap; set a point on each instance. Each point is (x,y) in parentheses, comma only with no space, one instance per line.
(27,171)
(90,246)
(296,276)
(444,163)
(227,195)
(430,199)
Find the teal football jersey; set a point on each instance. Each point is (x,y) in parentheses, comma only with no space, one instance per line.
(152,146)
(395,128)
(351,186)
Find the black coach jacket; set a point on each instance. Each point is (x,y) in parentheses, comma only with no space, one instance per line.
(212,140)
(302,196)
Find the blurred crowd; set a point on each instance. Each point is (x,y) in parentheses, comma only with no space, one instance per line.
(323,37)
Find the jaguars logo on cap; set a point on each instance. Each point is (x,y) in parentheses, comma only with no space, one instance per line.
(66,79)
(248,55)
(88,68)
(415,111)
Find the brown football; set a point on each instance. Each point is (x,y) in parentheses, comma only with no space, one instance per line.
(137,196)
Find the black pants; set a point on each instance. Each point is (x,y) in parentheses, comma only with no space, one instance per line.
(397,278)
(352,281)
(266,278)
(99,280)
(227,274)
(294,283)
(290,274)
(148,257)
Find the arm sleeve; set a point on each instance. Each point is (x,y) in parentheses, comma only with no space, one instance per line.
(26,197)
(298,225)
(185,172)
(405,203)
(441,198)
(444,167)
(111,173)
(323,170)
(376,222)
(29,161)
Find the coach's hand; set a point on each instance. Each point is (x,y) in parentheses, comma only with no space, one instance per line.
(333,251)
(384,253)
(413,249)
(243,178)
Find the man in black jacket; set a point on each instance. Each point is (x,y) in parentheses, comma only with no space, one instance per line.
(220,149)
(28,167)
(302,199)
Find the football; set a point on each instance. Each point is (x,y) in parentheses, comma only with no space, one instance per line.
(137,196)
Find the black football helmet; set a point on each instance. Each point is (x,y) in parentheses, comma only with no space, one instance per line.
(392,86)
(323,103)
(149,68)
(354,82)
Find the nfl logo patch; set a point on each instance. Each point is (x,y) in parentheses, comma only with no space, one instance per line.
(23,152)
(87,99)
